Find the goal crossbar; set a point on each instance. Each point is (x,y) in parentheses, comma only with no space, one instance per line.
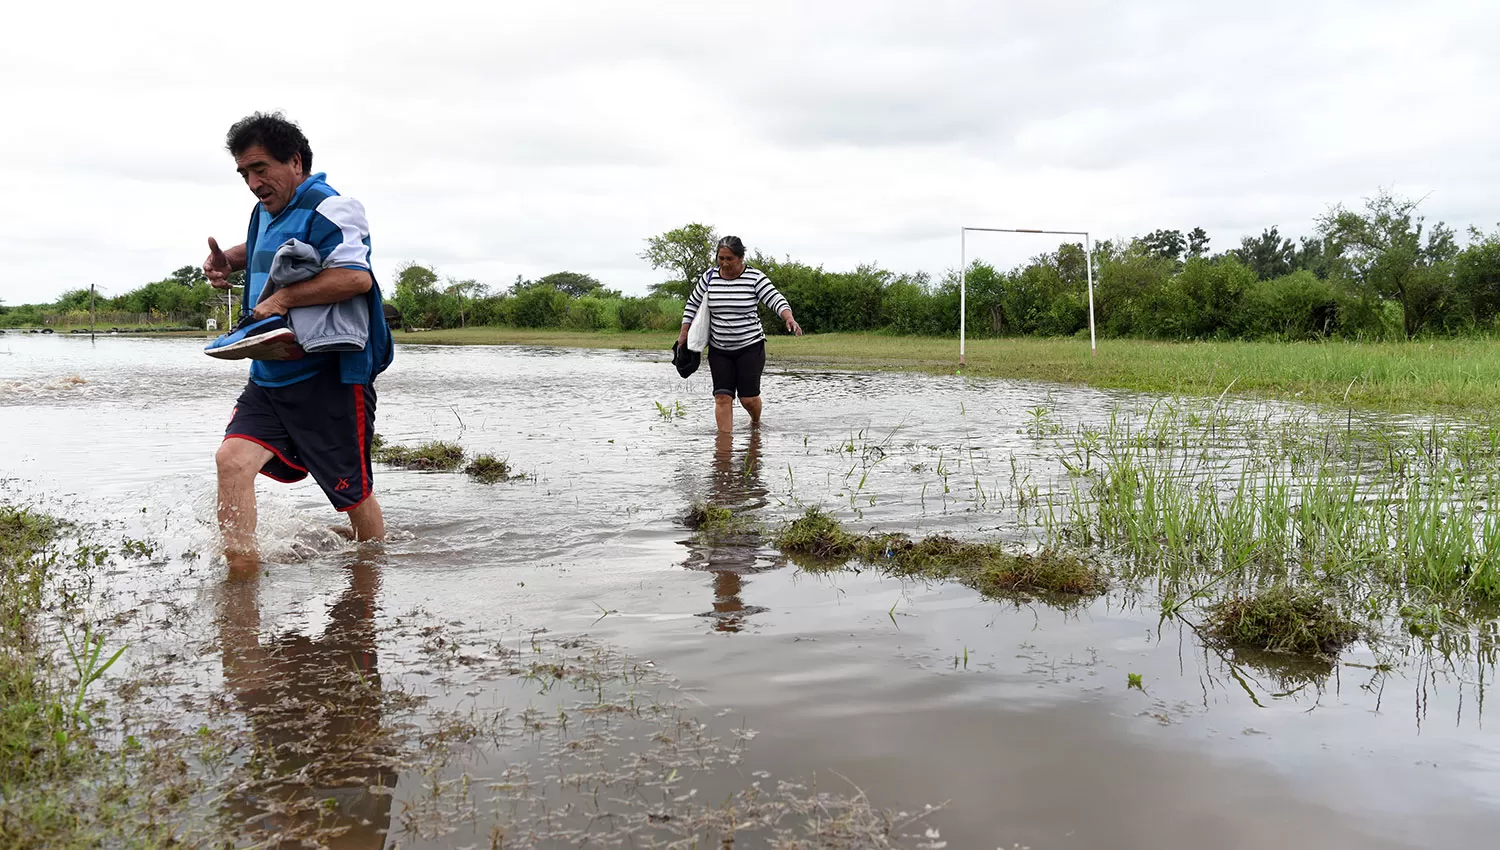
(963,276)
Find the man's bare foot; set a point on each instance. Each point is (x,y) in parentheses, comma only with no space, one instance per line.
(344,531)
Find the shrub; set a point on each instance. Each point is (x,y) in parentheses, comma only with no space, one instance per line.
(593,314)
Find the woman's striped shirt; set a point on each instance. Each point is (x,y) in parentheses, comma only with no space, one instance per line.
(733,321)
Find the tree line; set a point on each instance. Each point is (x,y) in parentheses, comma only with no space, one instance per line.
(1376,272)
(183,297)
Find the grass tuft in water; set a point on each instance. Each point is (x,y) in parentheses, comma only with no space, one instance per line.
(23,533)
(435,456)
(32,714)
(818,535)
(488,469)
(1282,619)
(714,521)
(986,567)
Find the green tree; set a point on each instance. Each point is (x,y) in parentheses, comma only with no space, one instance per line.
(539,307)
(1128,287)
(1386,255)
(575,284)
(72,300)
(417,295)
(1297,306)
(1270,255)
(456,302)
(1313,255)
(1204,299)
(1197,240)
(1476,273)
(188,276)
(684,253)
(1164,244)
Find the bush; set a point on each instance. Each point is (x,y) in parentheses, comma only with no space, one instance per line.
(539,307)
(665,313)
(593,314)
(1297,306)
(910,308)
(632,313)
(490,310)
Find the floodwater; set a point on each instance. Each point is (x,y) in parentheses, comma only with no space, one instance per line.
(1013,718)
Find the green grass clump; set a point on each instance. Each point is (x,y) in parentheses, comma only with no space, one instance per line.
(1282,619)
(818,535)
(1043,573)
(31,713)
(986,567)
(488,469)
(435,456)
(716,521)
(23,534)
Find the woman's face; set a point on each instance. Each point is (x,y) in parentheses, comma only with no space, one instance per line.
(729,265)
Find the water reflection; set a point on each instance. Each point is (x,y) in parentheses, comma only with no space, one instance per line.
(732,550)
(320,770)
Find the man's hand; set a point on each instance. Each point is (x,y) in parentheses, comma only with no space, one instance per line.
(271,305)
(216,268)
(328,286)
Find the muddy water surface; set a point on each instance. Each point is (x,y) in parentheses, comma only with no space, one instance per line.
(1014,717)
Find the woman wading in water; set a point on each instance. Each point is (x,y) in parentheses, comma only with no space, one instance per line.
(736,342)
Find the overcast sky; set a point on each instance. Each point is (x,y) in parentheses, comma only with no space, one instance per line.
(505,138)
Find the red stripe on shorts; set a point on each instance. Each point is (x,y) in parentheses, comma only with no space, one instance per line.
(359,425)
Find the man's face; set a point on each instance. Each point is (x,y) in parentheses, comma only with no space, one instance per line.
(274,183)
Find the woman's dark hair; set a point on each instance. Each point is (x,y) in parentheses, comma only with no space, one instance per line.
(734,244)
(281,138)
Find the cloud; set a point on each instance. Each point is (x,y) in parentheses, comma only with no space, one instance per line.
(502,139)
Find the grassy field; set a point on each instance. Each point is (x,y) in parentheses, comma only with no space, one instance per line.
(1445,375)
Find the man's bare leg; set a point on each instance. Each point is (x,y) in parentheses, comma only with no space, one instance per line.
(367,520)
(238,462)
(752,407)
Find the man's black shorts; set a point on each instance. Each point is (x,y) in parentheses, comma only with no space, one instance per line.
(320,426)
(737,372)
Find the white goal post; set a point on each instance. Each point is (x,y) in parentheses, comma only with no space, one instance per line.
(963,276)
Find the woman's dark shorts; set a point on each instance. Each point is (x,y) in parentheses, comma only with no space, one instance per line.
(320,426)
(737,372)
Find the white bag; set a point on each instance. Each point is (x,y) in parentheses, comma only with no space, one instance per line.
(698,330)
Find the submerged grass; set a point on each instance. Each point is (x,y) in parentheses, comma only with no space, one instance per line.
(985,567)
(319,750)
(717,523)
(817,535)
(1283,499)
(32,708)
(1282,619)
(434,456)
(65,780)
(488,469)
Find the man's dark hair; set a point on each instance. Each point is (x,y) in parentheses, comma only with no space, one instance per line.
(734,244)
(281,138)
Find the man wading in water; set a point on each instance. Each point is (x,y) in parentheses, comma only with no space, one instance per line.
(314,415)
